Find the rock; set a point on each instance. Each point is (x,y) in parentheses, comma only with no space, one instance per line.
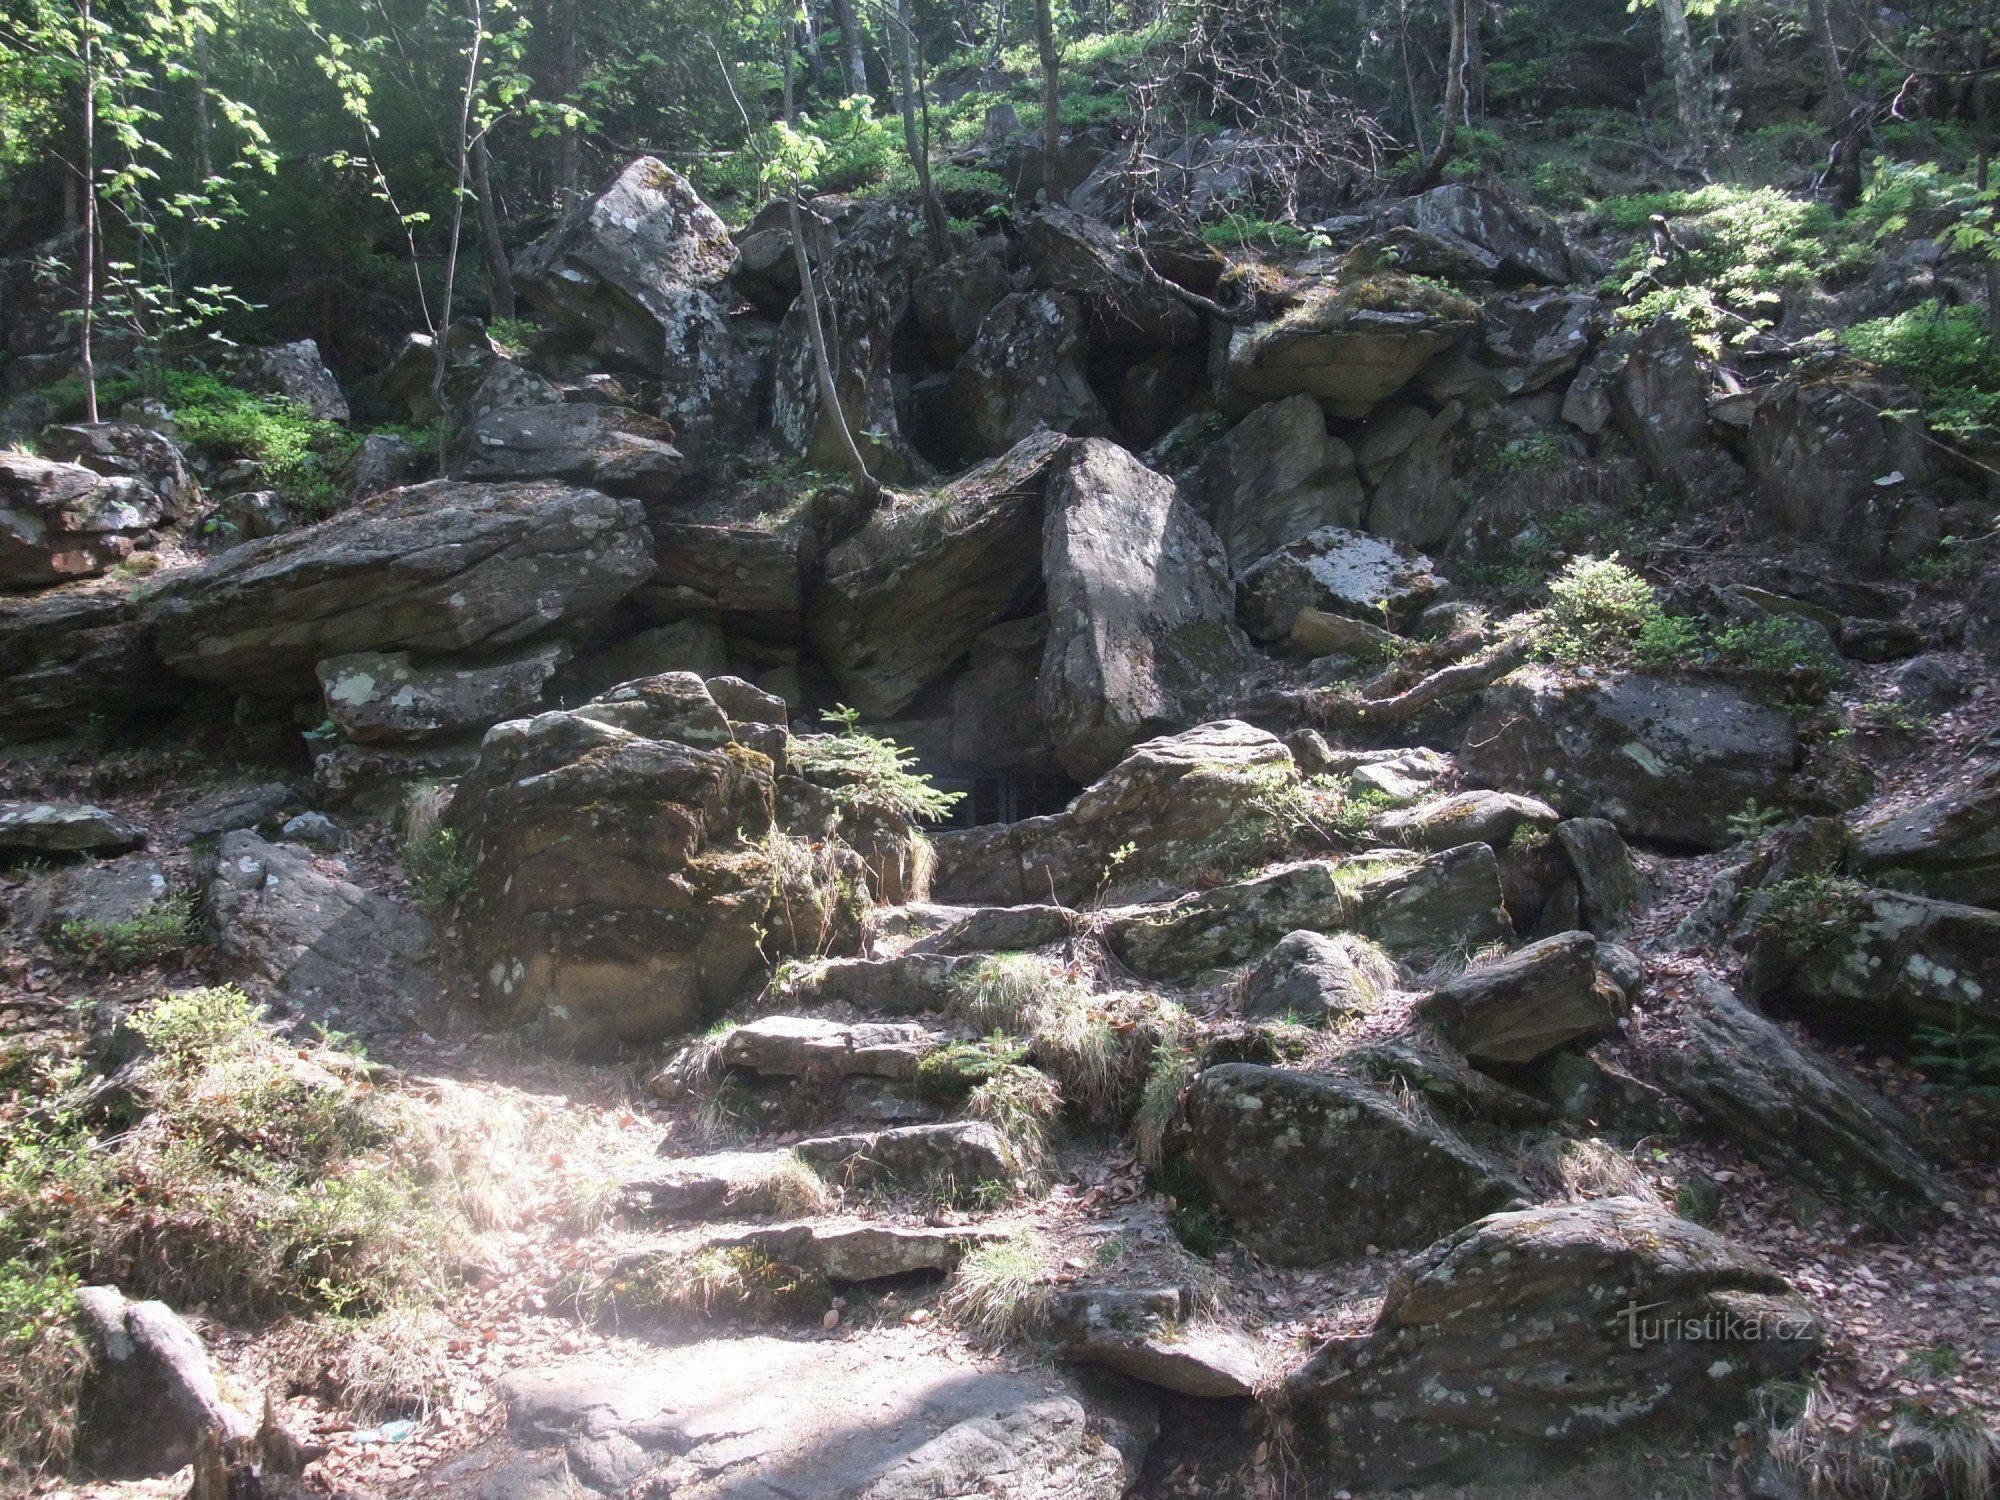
(853,1253)
(1001,929)
(846,1419)
(436,567)
(953,299)
(1278,476)
(1007,864)
(1318,978)
(1606,878)
(1860,960)
(378,777)
(994,721)
(1021,375)
(382,461)
(751,575)
(1626,748)
(907,594)
(1525,1341)
(1316,634)
(61,521)
(1126,308)
(1398,777)
(1789,1105)
(316,829)
(1659,400)
(909,984)
(867,284)
(1403,901)
(809,1046)
(1464,818)
(1824,465)
(1350,357)
(1310,1167)
(1148,1334)
(1528,341)
(373,696)
(297,373)
(1387,436)
(105,892)
(73,653)
(1417,501)
(1538,998)
(637,273)
(622,880)
(231,807)
(245,516)
(149,1399)
(65,828)
(1947,845)
(964,1152)
(125,449)
(608,448)
(1142,639)
(318,945)
(696,646)
(1525,243)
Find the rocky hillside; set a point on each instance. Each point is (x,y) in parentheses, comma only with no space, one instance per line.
(1365,871)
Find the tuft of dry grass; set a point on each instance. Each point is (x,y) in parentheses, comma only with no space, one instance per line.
(1938,1454)
(1002,1290)
(1091,1044)
(391,1364)
(1590,1168)
(1023,1104)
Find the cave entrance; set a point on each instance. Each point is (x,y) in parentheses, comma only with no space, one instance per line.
(1002,796)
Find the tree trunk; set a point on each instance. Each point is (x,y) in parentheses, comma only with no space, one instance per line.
(1982,109)
(499,278)
(1836,80)
(850,41)
(89,214)
(999,35)
(914,141)
(204,129)
(1045,40)
(569,140)
(1678,44)
(466,143)
(1454,100)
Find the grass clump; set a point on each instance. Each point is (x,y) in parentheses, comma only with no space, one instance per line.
(1002,1290)
(42,1361)
(711,1281)
(954,1070)
(164,930)
(1079,1038)
(438,866)
(1023,1104)
(863,769)
(792,1186)
(1169,1071)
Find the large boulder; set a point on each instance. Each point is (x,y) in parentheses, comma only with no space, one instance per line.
(637,274)
(1277,476)
(1023,373)
(1142,638)
(65,828)
(1311,977)
(1350,350)
(609,448)
(1126,306)
(1826,465)
(386,695)
(994,721)
(1787,1104)
(126,449)
(443,566)
(1338,572)
(907,594)
(622,878)
(322,949)
(1947,845)
(1537,998)
(1522,244)
(1311,1167)
(71,653)
(1524,1341)
(1627,747)
(1416,500)
(61,521)
(297,373)
(1528,341)
(148,1400)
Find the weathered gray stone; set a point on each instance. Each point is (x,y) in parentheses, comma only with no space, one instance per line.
(291,925)
(374,696)
(231,807)
(1278,476)
(61,521)
(125,448)
(1021,375)
(855,1252)
(436,567)
(1125,306)
(1626,747)
(608,448)
(1824,465)
(1310,1167)
(1505,1350)
(1947,845)
(149,1399)
(1318,978)
(297,373)
(1149,1334)
(1463,818)
(1524,242)
(65,828)
(1142,639)
(1607,880)
(994,720)
(1417,500)
(106,891)
(1008,864)
(811,1046)
(71,653)
(1347,356)
(1538,998)
(906,595)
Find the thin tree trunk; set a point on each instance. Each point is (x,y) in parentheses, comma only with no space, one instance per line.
(865,484)
(999,35)
(499,278)
(1409,77)
(89,213)
(1454,101)
(1678,44)
(465,147)
(204,129)
(569,141)
(1045,40)
(1836,79)
(850,41)
(915,141)
(1982,109)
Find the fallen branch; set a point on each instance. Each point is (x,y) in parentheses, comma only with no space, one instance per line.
(1447,682)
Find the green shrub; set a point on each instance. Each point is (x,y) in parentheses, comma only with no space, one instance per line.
(440,870)
(1964,1057)
(954,1070)
(164,930)
(863,768)
(1597,610)
(41,1368)
(1235,230)
(1782,646)
(299,453)
(1808,915)
(1947,354)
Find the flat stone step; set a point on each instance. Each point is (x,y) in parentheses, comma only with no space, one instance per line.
(1001,929)
(840,1250)
(743,1184)
(810,1046)
(911,984)
(1148,1334)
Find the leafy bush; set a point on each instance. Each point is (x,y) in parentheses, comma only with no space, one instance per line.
(1234,230)
(299,453)
(164,930)
(440,870)
(863,768)
(1782,646)
(1947,354)
(1808,915)
(41,1368)
(1596,612)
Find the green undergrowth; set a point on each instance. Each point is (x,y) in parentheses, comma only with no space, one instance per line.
(163,931)
(864,768)
(438,867)
(1947,355)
